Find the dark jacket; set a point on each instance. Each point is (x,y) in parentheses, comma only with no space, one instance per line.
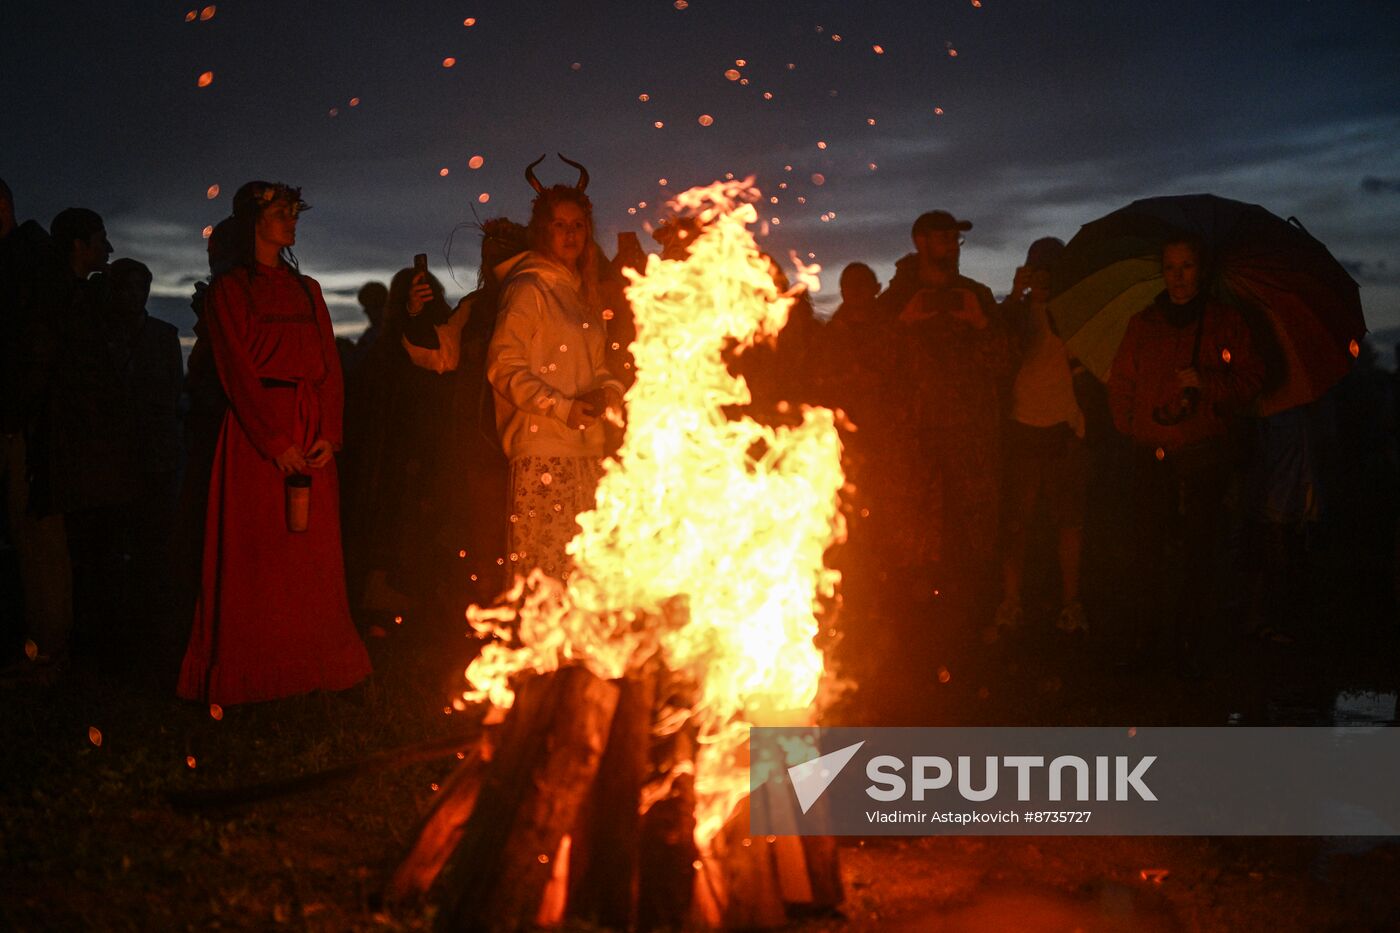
(1143,377)
(957,374)
(30,289)
(89,441)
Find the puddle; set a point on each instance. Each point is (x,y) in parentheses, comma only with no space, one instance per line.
(1344,708)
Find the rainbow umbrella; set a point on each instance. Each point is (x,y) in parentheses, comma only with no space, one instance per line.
(1304,310)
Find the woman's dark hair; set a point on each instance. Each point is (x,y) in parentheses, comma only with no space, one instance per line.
(248,204)
(1189,240)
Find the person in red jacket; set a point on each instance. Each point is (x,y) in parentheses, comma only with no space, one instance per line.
(272,619)
(1185,367)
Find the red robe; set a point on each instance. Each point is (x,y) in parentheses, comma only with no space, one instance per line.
(272,618)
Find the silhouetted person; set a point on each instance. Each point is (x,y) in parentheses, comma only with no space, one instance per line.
(204,415)
(1046,461)
(851,368)
(30,287)
(1185,367)
(954,368)
(91,471)
(372,297)
(153,373)
(398,415)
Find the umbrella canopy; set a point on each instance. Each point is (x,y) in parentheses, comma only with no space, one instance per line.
(1304,310)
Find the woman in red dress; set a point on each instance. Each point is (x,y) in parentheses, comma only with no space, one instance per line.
(272,618)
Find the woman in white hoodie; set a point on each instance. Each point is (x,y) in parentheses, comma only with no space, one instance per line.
(546,364)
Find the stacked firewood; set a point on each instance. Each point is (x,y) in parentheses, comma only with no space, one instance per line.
(582,808)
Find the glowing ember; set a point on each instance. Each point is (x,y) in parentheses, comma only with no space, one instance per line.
(680,4)
(818,179)
(878,49)
(767,95)
(938,111)
(475,161)
(644,97)
(95,736)
(821,144)
(706,540)
(207,13)
(732,74)
(208,231)
(705,119)
(442,172)
(212,192)
(661,182)
(189,761)
(191,16)
(216,711)
(483,197)
(469,21)
(1355,349)
(206,79)
(741,62)
(658,124)
(448,62)
(335,111)
(31,649)
(354,102)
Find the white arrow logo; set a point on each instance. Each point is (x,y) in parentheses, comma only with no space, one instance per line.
(811,778)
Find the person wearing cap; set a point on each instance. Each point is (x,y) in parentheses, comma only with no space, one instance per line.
(1045,457)
(954,362)
(272,618)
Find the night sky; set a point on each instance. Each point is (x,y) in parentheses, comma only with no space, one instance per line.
(1052,114)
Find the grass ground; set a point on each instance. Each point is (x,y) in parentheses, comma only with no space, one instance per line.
(89,841)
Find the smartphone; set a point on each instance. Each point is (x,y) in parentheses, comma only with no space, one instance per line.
(420,264)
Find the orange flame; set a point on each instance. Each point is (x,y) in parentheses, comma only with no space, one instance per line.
(706,540)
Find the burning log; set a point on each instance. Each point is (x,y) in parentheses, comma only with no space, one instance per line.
(441,830)
(605,856)
(561,822)
(551,746)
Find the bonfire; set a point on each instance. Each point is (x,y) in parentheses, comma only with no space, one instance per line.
(616,789)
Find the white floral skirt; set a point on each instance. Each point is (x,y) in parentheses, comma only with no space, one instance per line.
(546,496)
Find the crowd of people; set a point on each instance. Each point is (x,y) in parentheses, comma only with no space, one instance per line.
(286,483)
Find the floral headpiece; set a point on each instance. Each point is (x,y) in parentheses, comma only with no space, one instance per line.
(262,193)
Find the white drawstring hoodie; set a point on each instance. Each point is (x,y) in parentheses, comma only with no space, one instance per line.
(547,350)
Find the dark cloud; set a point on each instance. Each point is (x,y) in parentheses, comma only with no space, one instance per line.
(1054,114)
(1372,272)
(1373,185)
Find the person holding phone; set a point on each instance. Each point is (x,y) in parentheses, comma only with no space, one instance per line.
(954,364)
(547,367)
